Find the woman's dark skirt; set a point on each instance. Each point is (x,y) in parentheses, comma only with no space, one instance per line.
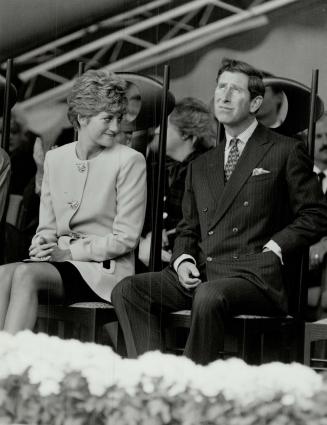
(75,287)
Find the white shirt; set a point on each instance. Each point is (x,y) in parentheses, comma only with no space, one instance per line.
(324,182)
(243,139)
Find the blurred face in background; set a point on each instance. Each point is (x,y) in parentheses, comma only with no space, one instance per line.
(16,135)
(174,139)
(321,143)
(269,109)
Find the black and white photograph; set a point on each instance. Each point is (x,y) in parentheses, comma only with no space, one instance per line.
(163,212)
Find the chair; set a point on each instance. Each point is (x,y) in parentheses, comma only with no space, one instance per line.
(82,320)
(14,215)
(315,356)
(247,336)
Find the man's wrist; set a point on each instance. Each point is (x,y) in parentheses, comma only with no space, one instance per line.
(181,258)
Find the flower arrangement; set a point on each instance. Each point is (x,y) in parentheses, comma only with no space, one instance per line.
(46,380)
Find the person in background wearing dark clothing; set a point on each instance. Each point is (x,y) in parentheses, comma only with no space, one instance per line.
(190,132)
(21,145)
(271,113)
(4,179)
(249,206)
(317,295)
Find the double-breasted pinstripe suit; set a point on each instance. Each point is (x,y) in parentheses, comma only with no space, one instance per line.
(224,228)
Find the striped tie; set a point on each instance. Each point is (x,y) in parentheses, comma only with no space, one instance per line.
(232,159)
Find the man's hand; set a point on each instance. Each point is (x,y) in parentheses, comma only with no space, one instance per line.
(188,275)
(317,254)
(41,248)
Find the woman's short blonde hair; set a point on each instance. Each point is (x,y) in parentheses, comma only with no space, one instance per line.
(95,92)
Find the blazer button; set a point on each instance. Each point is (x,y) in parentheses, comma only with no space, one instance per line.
(209,259)
(235,229)
(245,204)
(211,232)
(204,210)
(73,204)
(235,257)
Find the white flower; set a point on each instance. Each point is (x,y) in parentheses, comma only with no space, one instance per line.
(50,359)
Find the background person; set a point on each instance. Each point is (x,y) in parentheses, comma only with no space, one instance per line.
(190,132)
(317,295)
(4,179)
(249,205)
(21,146)
(270,112)
(91,213)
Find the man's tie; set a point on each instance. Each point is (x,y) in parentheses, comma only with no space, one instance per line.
(232,159)
(321,177)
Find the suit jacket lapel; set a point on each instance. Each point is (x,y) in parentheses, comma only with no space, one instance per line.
(255,149)
(215,172)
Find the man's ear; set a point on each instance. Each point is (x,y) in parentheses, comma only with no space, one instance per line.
(255,104)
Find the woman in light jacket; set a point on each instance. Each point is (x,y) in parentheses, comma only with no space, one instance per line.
(91,213)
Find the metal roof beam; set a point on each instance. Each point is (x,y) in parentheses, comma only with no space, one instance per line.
(169,46)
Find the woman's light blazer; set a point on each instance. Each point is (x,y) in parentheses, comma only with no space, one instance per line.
(96,209)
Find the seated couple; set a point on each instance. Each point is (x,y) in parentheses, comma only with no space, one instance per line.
(248,205)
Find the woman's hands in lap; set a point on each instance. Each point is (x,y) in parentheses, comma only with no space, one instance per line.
(60,255)
(41,249)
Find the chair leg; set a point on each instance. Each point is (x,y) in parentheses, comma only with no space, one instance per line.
(88,330)
(307,345)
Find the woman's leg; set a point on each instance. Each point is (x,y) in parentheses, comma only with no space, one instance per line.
(27,280)
(6,273)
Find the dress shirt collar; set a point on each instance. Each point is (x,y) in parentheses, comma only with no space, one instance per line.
(324,181)
(317,170)
(244,136)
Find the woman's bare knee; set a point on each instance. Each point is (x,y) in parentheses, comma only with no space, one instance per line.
(30,278)
(24,280)
(6,274)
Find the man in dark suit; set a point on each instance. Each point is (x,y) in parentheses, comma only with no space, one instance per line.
(248,205)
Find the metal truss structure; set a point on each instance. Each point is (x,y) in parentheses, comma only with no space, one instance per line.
(135,40)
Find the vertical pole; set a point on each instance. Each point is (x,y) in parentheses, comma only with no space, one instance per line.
(5,145)
(6,108)
(81,67)
(156,239)
(312,115)
(303,297)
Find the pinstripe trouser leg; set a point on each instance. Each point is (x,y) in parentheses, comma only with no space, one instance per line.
(140,301)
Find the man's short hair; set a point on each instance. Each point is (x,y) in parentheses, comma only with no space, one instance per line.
(255,85)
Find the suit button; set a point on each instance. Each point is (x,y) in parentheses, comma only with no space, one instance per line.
(209,259)
(235,257)
(245,204)
(235,229)
(210,233)
(204,210)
